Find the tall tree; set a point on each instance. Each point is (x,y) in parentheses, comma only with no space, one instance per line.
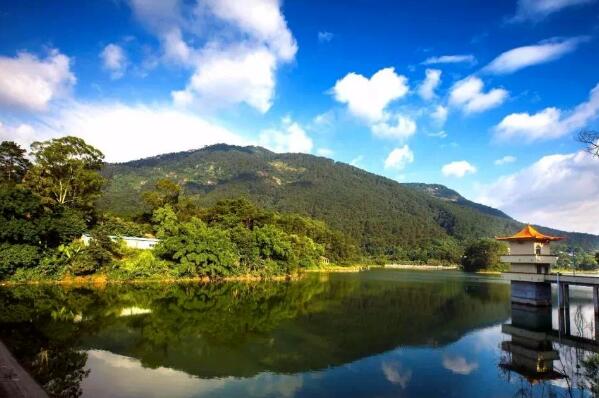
(591,140)
(13,163)
(165,192)
(66,172)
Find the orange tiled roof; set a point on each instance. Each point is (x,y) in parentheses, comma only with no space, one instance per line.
(528,233)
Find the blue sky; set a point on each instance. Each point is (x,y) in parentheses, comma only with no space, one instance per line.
(484,97)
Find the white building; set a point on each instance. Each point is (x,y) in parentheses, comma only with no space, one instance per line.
(132,242)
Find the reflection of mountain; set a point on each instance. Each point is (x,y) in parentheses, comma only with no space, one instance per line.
(240,330)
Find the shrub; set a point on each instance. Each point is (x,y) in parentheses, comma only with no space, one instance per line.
(15,256)
(142,264)
(199,250)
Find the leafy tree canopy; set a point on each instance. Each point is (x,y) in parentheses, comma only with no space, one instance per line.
(66,172)
(13,163)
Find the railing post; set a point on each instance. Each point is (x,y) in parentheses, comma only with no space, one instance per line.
(566,295)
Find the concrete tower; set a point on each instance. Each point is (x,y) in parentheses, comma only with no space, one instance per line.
(530,260)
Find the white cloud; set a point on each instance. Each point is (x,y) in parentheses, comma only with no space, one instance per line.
(114,60)
(535,10)
(325,37)
(505,160)
(458,169)
(357,160)
(368,98)
(399,158)
(126,132)
(439,115)
(440,134)
(324,119)
(230,77)
(560,191)
(403,127)
(30,83)
(243,44)
(522,57)
(290,138)
(450,59)
(469,94)
(550,122)
(459,365)
(430,83)
(326,152)
(23,134)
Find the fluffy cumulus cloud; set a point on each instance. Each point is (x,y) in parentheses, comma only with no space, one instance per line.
(243,44)
(291,137)
(469,94)
(505,160)
(535,10)
(367,98)
(458,169)
(31,83)
(114,60)
(522,57)
(450,59)
(550,122)
(126,132)
(399,158)
(395,126)
(430,83)
(560,191)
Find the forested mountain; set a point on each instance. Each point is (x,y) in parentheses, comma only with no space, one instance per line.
(379,213)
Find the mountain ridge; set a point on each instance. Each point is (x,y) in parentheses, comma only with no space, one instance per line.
(379,212)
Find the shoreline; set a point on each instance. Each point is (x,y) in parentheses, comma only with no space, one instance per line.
(422,267)
(102,280)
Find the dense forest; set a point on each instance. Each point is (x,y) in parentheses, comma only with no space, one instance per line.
(227,211)
(382,215)
(48,202)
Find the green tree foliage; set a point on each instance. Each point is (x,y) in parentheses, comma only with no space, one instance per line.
(13,163)
(483,254)
(164,192)
(198,250)
(376,213)
(66,172)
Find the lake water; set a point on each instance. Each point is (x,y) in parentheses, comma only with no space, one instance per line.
(369,334)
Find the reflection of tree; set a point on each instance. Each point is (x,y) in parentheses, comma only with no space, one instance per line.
(590,367)
(241,329)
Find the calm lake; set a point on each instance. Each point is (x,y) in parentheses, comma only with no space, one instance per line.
(378,333)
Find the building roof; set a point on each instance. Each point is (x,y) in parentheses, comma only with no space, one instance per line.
(528,233)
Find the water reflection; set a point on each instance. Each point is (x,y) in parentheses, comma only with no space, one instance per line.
(541,352)
(376,333)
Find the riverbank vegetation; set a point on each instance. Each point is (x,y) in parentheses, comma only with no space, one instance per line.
(49,198)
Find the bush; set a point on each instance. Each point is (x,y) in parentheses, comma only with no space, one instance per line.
(13,257)
(483,254)
(199,250)
(142,264)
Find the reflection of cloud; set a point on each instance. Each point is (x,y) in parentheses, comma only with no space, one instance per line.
(396,374)
(116,376)
(134,311)
(269,384)
(459,365)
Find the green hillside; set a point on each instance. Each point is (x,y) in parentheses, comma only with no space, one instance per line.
(379,213)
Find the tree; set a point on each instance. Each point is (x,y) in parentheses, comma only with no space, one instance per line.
(165,192)
(483,254)
(66,172)
(591,140)
(13,164)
